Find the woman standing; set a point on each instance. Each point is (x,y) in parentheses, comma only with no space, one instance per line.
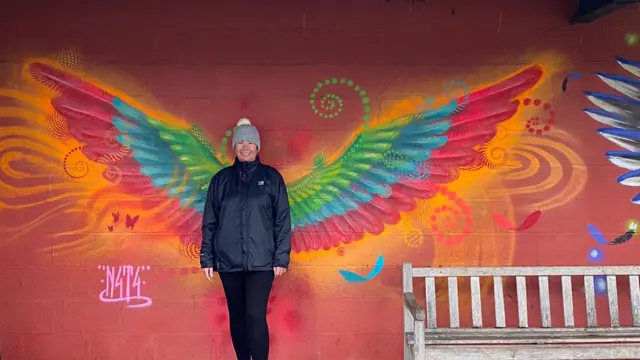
(246,238)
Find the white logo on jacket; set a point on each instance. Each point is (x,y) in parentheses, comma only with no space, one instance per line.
(260,183)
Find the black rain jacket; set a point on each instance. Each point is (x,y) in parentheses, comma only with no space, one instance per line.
(246,223)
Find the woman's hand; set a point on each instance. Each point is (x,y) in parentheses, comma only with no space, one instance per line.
(208,272)
(279,271)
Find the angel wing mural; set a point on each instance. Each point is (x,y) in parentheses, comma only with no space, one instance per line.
(621,114)
(361,192)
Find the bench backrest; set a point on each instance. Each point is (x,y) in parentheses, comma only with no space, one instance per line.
(521,273)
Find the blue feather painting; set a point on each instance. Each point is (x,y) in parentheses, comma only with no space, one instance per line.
(621,114)
(354,278)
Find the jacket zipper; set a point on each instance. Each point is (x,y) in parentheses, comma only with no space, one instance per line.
(244,225)
(215,252)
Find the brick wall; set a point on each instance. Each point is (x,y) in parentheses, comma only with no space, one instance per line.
(212,63)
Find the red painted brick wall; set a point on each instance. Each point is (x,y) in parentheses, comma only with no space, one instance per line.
(210,63)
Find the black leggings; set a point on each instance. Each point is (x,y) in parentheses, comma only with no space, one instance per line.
(247,295)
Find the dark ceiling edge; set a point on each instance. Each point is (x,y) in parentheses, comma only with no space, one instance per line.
(591,10)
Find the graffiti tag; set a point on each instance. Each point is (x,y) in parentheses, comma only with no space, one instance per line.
(123,283)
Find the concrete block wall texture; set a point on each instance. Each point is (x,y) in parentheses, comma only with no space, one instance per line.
(81,222)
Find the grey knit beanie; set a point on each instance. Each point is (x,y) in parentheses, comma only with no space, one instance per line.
(244,131)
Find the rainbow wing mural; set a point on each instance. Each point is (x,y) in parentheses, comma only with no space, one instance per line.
(378,177)
(621,113)
(388,166)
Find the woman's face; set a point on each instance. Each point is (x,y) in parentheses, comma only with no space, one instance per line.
(246,151)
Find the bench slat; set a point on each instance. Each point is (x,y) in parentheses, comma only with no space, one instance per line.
(498,295)
(612,294)
(454,305)
(600,332)
(590,299)
(545,303)
(634,287)
(567,301)
(535,352)
(430,287)
(521,286)
(530,340)
(531,336)
(476,302)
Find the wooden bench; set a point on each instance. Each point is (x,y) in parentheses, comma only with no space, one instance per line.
(425,340)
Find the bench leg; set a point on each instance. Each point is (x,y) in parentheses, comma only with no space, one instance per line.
(408,351)
(419,346)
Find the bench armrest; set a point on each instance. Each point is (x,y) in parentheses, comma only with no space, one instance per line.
(415,309)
